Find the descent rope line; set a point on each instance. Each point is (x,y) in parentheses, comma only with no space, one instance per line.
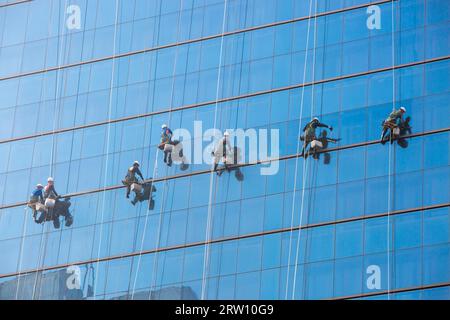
(157,241)
(390,149)
(42,94)
(108,137)
(73,139)
(154,277)
(155,168)
(297,158)
(211,180)
(60,56)
(63,93)
(154,174)
(229,85)
(21,253)
(306,172)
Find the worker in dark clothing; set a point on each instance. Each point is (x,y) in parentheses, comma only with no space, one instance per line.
(37,196)
(131,178)
(405,129)
(392,122)
(166,144)
(221,151)
(309,134)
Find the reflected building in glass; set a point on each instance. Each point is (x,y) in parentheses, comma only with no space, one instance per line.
(85,86)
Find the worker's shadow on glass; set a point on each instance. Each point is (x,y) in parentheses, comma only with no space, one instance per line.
(143,191)
(231,163)
(404,129)
(173,152)
(52,210)
(319,146)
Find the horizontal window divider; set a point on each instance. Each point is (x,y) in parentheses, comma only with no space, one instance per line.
(226,239)
(171,45)
(223,100)
(392,291)
(243,165)
(14,3)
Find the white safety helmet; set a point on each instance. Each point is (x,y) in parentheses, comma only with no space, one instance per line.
(39,186)
(164,126)
(403,109)
(50,179)
(226,134)
(136,163)
(315,119)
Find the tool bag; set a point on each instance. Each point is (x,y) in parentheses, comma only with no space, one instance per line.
(136,187)
(50,203)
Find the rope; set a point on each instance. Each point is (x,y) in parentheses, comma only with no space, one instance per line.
(42,249)
(303,191)
(296,159)
(390,148)
(107,146)
(72,143)
(155,172)
(21,253)
(211,181)
(25,208)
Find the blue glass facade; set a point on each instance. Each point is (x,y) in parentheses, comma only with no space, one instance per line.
(81,104)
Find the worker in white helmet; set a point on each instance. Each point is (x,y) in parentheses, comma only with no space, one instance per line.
(49,190)
(394,119)
(131,178)
(309,132)
(221,151)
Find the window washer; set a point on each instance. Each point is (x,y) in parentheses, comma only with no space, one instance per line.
(221,151)
(310,133)
(392,123)
(49,190)
(54,207)
(166,144)
(131,178)
(37,196)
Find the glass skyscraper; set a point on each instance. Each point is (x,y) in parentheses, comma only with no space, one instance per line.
(85,86)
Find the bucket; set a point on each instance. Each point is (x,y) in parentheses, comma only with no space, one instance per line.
(136,187)
(316,144)
(50,203)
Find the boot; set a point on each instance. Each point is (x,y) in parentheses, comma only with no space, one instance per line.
(69,220)
(56,222)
